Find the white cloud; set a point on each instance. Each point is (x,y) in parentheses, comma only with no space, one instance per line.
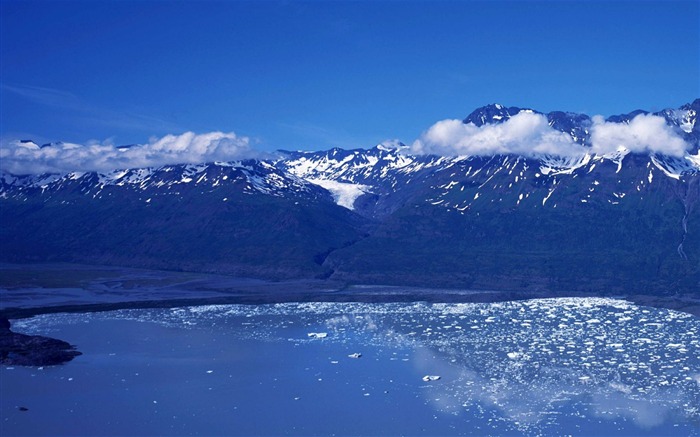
(392,144)
(28,158)
(529,134)
(525,134)
(643,134)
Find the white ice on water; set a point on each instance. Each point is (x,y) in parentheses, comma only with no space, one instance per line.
(524,359)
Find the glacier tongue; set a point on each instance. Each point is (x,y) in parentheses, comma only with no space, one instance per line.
(344,194)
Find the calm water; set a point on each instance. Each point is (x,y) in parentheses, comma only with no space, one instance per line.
(539,367)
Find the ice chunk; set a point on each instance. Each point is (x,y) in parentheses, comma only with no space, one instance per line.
(317,334)
(428,378)
(355,355)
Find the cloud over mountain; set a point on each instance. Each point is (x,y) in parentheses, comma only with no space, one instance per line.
(529,134)
(26,157)
(643,134)
(525,133)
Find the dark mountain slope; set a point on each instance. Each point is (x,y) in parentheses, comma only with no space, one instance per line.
(227,229)
(595,230)
(614,221)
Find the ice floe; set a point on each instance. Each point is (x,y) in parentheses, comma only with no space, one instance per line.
(517,362)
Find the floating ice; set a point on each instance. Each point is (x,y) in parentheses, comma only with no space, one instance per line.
(579,358)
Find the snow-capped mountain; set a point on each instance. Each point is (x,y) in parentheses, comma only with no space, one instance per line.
(249,177)
(619,219)
(380,171)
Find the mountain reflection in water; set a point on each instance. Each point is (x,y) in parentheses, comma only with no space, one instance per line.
(537,367)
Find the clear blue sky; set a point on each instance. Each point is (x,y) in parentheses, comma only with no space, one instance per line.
(309,75)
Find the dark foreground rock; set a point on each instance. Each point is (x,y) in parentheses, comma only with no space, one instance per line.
(32,350)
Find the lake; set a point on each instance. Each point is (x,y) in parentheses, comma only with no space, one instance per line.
(569,366)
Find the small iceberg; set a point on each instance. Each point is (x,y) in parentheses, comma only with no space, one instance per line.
(428,378)
(355,355)
(317,334)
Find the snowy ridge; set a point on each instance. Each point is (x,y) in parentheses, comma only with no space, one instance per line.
(677,167)
(683,117)
(352,173)
(250,176)
(348,175)
(454,182)
(352,166)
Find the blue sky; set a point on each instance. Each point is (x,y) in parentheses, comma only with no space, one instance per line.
(310,75)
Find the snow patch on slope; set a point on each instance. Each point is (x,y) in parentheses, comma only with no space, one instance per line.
(676,167)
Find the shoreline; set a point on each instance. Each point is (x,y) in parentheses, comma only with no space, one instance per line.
(686,305)
(33,289)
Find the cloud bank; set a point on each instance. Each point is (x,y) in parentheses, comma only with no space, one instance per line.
(529,134)
(525,133)
(643,134)
(28,158)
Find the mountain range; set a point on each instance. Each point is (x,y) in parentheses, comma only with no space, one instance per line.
(623,220)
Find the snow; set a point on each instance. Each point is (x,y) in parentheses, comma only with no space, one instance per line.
(617,157)
(685,118)
(694,159)
(675,167)
(555,165)
(344,194)
(548,196)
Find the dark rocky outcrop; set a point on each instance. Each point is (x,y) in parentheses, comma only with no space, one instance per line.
(32,350)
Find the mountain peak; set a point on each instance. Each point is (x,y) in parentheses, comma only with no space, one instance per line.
(625,118)
(493,113)
(694,105)
(390,146)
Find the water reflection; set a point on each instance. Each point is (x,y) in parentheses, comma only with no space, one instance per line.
(539,366)
(535,361)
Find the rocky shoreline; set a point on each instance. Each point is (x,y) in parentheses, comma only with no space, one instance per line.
(32,350)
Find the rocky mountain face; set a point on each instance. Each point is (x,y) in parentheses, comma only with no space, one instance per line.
(615,221)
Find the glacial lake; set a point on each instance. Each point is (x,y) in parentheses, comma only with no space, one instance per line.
(572,366)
